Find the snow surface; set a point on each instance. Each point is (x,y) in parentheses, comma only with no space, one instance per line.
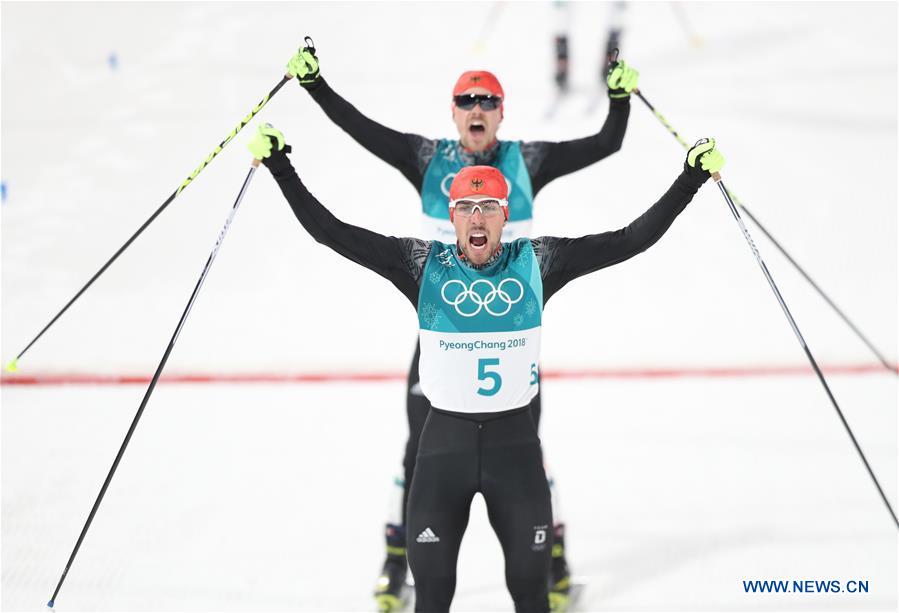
(249,497)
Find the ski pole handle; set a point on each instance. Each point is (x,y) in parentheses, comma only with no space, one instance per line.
(310,47)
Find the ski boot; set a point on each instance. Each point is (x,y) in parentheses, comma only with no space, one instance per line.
(392,592)
(561,594)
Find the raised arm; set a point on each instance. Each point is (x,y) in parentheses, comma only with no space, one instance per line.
(548,160)
(408,153)
(565,259)
(400,260)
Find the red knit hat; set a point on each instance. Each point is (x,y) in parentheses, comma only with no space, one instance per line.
(480,182)
(478,78)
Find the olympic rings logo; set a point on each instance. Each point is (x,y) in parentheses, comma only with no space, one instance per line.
(445,184)
(484,301)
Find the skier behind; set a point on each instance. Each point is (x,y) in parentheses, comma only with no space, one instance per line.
(563,17)
(479,302)
(430,165)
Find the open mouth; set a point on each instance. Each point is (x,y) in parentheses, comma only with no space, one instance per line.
(478,240)
(477,127)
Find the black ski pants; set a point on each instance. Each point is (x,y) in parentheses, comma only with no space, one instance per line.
(417,408)
(498,455)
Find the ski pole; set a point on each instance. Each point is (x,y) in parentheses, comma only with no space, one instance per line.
(13,365)
(162,362)
(808,353)
(681,14)
(480,41)
(893,368)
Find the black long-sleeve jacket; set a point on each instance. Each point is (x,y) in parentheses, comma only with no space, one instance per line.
(401,260)
(411,153)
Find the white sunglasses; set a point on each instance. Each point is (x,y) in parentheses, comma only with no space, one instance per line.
(489,207)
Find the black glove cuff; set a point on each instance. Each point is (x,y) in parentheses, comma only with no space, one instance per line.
(311,85)
(278,160)
(696,175)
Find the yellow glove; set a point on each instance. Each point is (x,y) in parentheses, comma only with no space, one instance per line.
(265,138)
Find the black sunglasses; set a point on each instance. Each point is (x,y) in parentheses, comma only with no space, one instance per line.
(466,102)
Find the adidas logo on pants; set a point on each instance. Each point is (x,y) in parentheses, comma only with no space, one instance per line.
(427,536)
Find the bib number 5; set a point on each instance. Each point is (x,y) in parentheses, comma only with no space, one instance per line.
(495,380)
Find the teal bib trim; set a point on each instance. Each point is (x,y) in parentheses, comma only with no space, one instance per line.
(446,163)
(506,296)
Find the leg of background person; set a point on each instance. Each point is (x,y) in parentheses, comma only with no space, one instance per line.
(393,573)
(562,11)
(559,579)
(417,408)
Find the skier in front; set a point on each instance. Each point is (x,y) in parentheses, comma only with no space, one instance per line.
(479,302)
(430,165)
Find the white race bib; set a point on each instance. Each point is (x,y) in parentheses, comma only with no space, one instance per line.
(479,372)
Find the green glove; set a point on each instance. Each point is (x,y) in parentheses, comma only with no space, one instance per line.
(304,65)
(265,138)
(622,79)
(703,156)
